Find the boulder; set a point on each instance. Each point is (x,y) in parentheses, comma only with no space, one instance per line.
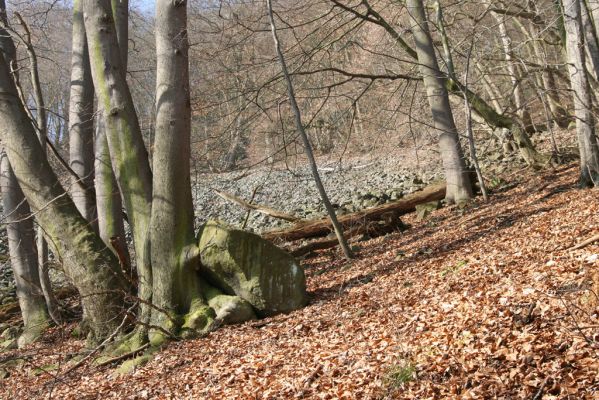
(243,264)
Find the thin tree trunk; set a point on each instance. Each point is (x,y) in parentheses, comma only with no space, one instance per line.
(471,143)
(81,126)
(585,123)
(308,147)
(20,231)
(591,41)
(111,226)
(42,126)
(560,115)
(459,186)
(448,58)
(23,255)
(514,73)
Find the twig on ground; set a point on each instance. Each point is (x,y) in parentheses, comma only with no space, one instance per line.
(585,243)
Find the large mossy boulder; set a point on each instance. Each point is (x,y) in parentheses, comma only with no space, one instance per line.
(244,264)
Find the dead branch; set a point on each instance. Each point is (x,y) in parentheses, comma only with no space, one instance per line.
(261,209)
(585,243)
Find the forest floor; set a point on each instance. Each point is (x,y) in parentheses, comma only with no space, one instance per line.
(483,302)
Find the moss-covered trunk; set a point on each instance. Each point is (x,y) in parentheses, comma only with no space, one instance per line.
(92,268)
(176,283)
(111,225)
(128,154)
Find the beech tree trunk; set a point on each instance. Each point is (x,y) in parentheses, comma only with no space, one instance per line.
(81,126)
(459,185)
(23,255)
(585,123)
(558,111)
(108,197)
(591,40)
(41,122)
(514,73)
(92,268)
(176,283)
(20,230)
(128,154)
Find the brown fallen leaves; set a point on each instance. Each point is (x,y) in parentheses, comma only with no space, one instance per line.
(488,304)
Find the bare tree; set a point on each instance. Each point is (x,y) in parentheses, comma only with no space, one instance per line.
(20,230)
(307,146)
(585,123)
(93,269)
(109,204)
(459,186)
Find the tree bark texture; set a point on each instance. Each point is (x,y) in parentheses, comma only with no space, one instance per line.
(459,186)
(90,266)
(585,123)
(81,126)
(176,287)
(128,154)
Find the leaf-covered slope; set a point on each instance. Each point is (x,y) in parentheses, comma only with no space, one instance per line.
(482,303)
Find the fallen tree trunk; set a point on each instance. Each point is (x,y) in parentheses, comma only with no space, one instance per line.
(255,207)
(389,213)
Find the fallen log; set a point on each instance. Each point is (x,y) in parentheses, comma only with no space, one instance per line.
(389,213)
(372,229)
(313,246)
(255,207)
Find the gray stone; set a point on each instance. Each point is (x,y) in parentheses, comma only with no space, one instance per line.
(244,264)
(229,309)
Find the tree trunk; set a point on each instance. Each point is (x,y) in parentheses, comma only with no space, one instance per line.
(322,227)
(128,154)
(91,267)
(549,87)
(111,226)
(176,284)
(42,132)
(108,197)
(591,41)
(459,186)
(20,230)
(513,72)
(585,124)
(23,255)
(81,126)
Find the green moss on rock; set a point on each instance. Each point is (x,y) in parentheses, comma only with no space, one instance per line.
(229,309)
(244,264)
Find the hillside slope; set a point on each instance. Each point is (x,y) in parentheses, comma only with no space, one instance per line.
(486,302)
